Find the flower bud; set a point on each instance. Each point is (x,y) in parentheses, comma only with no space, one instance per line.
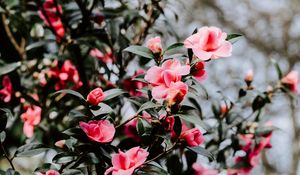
(95,96)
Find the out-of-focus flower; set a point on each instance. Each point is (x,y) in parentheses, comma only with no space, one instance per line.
(154,44)
(291,81)
(124,163)
(31,118)
(200,170)
(50,172)
(100,131)
(95,96)
(166,81)
(106,58)
(130,128)
(132,85)
(51,19)
(66,74)
(249,76)
(192,137)
(6,91)
(209,43)
(198,71)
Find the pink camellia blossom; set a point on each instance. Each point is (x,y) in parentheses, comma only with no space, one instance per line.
(132,85)
(51,19)
(200,170)
(6,91)
(168,122)
(50,172)
(106,58)
(166,82)
(192,137)
(291,81)
(154,44)
(198,71)
(95,96)
(100,131)
(209,43)
(124,163)
(31,117)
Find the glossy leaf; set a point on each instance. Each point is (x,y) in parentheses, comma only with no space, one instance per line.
(140,50)
(202,151)
(31,149)
(7,68)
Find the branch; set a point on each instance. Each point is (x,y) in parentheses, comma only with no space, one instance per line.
(6,156)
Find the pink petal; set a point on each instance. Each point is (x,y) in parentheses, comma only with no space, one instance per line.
(159,92)
(28,129)
(224,51)
(202,55)
(153,75)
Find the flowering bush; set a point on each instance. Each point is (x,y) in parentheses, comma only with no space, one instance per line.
(73,91)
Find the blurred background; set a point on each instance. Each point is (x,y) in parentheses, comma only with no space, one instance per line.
(271,30)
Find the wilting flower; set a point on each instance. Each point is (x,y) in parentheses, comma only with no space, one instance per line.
(166,81)
(95,96)
(154,44)
(291,81)
(198,71)
(100,131)
(192,137)
(132,85)
(200,170)
(50,172)
(106,58)
(31,118)
(124,163)
(209,43)
(6,91)
(50,17)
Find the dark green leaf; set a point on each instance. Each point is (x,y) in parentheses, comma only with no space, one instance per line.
(30,150)
(191,119)
(104,109)
(143,127)
(72,172)
(202,151)
(140,50)
(177,126)
(4,69)
(233,37)
(148,105)
(174,46)
(2,136)
(279,72)
(11,172)
(64,157)
(71,92)
(112,93)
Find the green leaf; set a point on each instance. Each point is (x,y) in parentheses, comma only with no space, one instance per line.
(104,109)
(148,105)
(71,92)
(2,136)
(174,46)
(76,114)
(202,151)
(3,121)
(233,37)
(72,172)
(192,119)
(140,50)
(30,150)
(38,44)
(177,126)
(151,168)
(279,72)
(64,157)
(4,69)
(143,127)
(112,93)
(11,172)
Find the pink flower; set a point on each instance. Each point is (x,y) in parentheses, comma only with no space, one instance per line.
(166,81)
(124,163)
(209,43)
(132,86)
(249,76)
(200,170)
(154,44)
(50,172)
(168,122)
(6,91)
(291,81)
(95,96)
(192,137)
(198,71)
(100,131)
(31,117)
(51,19)
(106,58)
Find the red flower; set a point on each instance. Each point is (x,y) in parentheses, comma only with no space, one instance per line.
(132,86)
(198,71)
(291,81)
(51,19)
(95,96)
(6,91)
(192,137)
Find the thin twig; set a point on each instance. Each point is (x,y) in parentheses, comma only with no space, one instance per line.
(6,156)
